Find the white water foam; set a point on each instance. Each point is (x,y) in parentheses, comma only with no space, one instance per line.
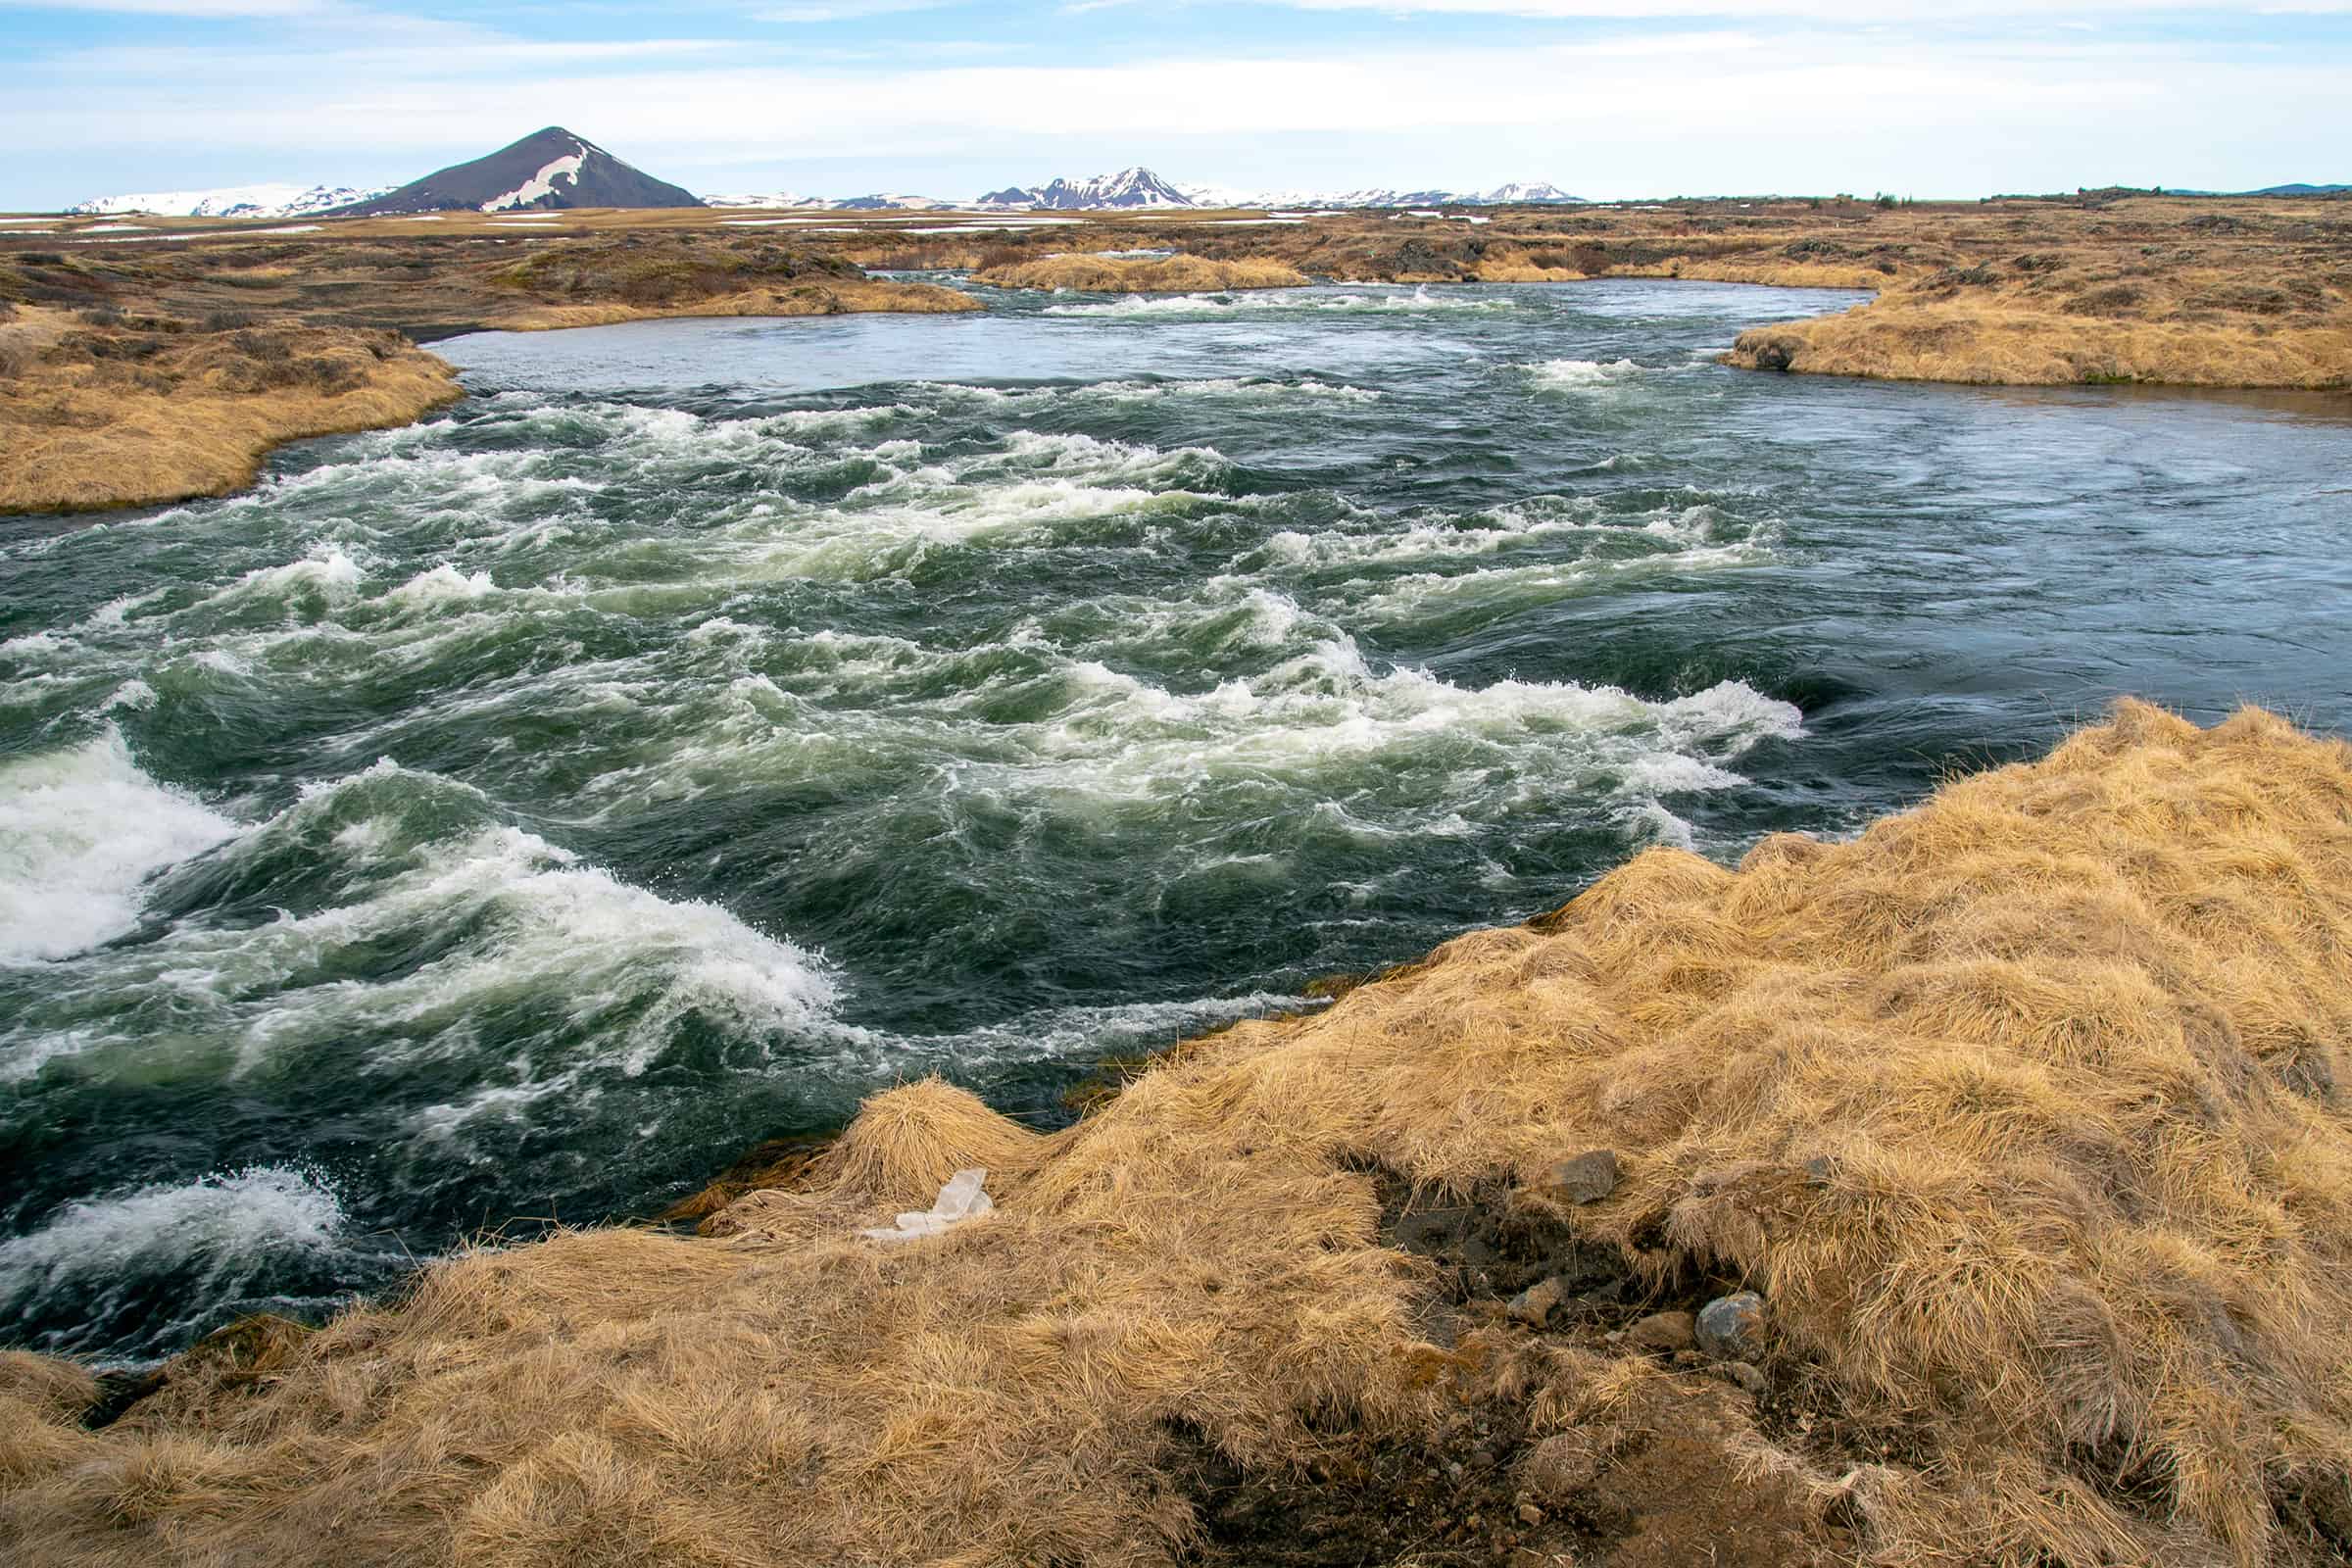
(1223,303)
(1582,375)
(80,831)
(221,1224)
(634,965)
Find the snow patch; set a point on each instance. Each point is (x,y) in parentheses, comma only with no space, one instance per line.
(542,184)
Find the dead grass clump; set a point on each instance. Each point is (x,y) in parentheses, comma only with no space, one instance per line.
(1142,274)
(2024,1111)
(1975,341)
(118,417)
(2049,319)
(843,298)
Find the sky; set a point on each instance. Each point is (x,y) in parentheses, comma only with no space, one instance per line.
(1609,99)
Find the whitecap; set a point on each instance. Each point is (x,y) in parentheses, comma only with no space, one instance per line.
(80,831)
(1582,375)
(223,1223)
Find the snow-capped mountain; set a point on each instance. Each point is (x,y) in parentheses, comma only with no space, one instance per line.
(1540,193)
(774,201)
(1516,193)
(547,169)
(890,202)
(1128,188)
(233,201)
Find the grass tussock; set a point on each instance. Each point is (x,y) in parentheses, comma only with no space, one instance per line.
(1142,274)
(140,412)
(2042,319)
(2024,1111)
(1897,341)
(842,297)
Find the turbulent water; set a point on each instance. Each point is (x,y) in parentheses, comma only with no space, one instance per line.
(516,815)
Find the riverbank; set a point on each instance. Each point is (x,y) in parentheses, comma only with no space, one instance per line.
(2219,293)
(1142,274)
(128,379)
(2060,320)
(113,410)
(2017,1113)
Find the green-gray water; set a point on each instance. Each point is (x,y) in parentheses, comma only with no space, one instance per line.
(710,722)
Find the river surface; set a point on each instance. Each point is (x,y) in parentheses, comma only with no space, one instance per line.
(516,816)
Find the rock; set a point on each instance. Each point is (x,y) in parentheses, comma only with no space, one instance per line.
(1768,353)
(1530,1515)
(1558,1469)
(1730,1328)
(1535,1305)
(1744,1374)
(1663,1333)
(1587,1178)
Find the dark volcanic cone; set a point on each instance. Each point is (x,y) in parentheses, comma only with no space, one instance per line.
(548,168)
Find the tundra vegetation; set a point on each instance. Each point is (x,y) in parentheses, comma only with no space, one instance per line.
(2100,287)
(1977,1191)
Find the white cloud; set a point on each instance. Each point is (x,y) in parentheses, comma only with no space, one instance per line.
(842,10)
(1685,108)
(186,8)
(1876,13)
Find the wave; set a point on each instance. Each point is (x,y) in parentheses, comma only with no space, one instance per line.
(218,1221)
(81,833)
(401,916)
(1582,375)
(1150,306)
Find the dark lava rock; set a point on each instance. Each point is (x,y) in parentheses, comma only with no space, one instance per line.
(1773,352)
(1730,1328)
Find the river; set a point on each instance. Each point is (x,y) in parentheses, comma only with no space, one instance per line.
(511,818)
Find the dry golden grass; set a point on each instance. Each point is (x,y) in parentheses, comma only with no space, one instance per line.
(2232,292)
(1773,273)
(833,297)
(2025,1109)
(1142,274)
(2235,314)
(96,416)
(1902,337)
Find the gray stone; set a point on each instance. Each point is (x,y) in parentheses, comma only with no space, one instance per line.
(1730,1328)
(1587,1178)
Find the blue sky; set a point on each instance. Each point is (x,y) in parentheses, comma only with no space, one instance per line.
(1608,98)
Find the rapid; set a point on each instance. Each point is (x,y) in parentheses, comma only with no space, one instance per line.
(509,819)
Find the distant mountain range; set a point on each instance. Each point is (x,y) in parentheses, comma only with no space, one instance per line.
(1518,193)
(1128,188)
(1138,188)
(554,168)
(234,201)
